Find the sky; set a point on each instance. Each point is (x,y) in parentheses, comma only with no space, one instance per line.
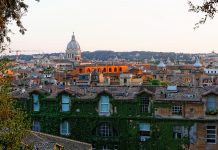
(119,25)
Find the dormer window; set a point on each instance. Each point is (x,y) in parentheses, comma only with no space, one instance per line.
(104,105)
(211,103)
(65,103)
(36,105)
(144,104)
(172,88)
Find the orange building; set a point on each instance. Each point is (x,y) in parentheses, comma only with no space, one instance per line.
(102,68)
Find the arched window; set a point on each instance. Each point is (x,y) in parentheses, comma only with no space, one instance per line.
(110,70)
(65,103)
(115,69)
(120,69)
(104,106)
(105,130)
(104,70)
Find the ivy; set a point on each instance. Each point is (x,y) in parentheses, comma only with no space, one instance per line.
(84,123)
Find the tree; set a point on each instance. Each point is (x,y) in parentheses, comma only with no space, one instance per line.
(155,82)
(208,7)
(14,124)
(10,10)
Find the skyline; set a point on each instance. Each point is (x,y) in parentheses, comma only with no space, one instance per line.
(131,26)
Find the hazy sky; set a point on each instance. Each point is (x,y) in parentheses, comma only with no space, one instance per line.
(120,25)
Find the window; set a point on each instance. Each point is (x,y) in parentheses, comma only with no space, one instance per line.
(105,130)
(88,70)
(179,132)
(104,105)
(144,104)
(144,131)
(211,103)
(115,147)
(211,134)
(36,126)
(115,69)
(110,70)
(65,103)
(64,128)
(177,109)
(35,102)
(105,147)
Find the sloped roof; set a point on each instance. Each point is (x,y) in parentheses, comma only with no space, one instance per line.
(191,94)
(45,141)
(213,90)
(145,91)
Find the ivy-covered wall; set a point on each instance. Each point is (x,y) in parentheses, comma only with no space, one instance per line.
(124,119)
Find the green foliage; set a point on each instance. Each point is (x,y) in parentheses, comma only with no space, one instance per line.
(164,83)
(162,136)
(208,7)
(125,122)
(162,105)
(14,124)
(155,82)
(11,10)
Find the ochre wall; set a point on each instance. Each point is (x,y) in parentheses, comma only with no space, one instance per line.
(103,69)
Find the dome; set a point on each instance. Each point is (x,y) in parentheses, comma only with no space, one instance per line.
(197,63)
(152,59)
(169,62)
(73,46)
(161,64)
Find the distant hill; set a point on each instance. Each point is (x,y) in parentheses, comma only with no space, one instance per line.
(133,55)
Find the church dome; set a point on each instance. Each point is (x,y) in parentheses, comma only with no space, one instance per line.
(197,63)
(161,64)
(73,46)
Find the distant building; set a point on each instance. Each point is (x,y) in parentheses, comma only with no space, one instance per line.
(73,51)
